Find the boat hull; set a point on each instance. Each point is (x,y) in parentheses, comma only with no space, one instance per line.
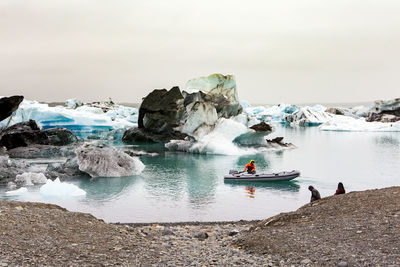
(263,177)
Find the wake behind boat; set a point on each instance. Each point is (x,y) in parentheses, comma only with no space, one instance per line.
(234,175)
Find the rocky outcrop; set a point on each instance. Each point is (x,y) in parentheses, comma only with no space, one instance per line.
(42,151)
(278,141)
(60,136)
(8,105)
(23,134)
(28,133)
(140,135)
(262,127)
(385,111)
(9,169)
(161,110)
(68,169)
(103,161)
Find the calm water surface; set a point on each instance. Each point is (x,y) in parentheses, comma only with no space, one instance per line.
(182,187)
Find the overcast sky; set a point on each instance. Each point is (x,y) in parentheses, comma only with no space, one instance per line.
(280,51)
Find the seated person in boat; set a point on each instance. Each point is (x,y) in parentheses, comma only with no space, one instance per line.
(250,167)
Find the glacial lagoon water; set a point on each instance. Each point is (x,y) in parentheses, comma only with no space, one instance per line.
(177,187)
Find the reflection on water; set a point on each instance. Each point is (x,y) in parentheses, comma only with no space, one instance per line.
(251,191)
(390,139)
(291,186)
(106,189)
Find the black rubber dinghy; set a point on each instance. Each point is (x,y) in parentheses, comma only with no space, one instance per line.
(261,177)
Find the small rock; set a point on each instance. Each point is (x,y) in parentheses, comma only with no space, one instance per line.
(201,236)
(359,232)
(306,261)
(167,231)
(342,264)
(19,208)
(233,233)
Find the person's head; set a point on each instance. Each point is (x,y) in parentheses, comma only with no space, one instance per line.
(310,188)
(251,161)
(340,187)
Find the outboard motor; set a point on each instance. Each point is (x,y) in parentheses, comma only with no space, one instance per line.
(233,172)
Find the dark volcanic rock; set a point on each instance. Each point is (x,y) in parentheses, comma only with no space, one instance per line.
(161,108)
(23,134)
(42,151)
(8,105)
(277,140)
(262,127)
(137,135)
(382,117)
(385,111)
(60,136)
(28,133)
(160,112)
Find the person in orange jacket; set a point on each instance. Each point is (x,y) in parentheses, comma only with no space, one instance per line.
(250,167)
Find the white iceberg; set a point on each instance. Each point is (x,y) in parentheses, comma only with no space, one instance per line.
(344,123)
(30,178)
(361,111)
(60,189)
(82,119)
(199,114)
(309,116)
(73,103)
(17,192)
(274,113)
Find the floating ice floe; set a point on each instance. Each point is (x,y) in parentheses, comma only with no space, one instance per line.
(80,120)
(19,191)
(60,189)
(99,161)
(344,123)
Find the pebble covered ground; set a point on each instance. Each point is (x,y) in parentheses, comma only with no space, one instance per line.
(356,229)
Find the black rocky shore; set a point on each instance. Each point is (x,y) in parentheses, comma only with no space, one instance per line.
(355,229)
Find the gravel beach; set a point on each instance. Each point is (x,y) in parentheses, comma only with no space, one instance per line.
(356,229)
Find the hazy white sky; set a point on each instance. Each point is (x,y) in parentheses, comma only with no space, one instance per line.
(280,51)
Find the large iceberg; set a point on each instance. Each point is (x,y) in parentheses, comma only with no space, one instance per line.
(345,123)
(60,189)
(82,120)
(206,117)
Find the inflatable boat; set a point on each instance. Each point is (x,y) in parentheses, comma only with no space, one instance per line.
(234,175)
